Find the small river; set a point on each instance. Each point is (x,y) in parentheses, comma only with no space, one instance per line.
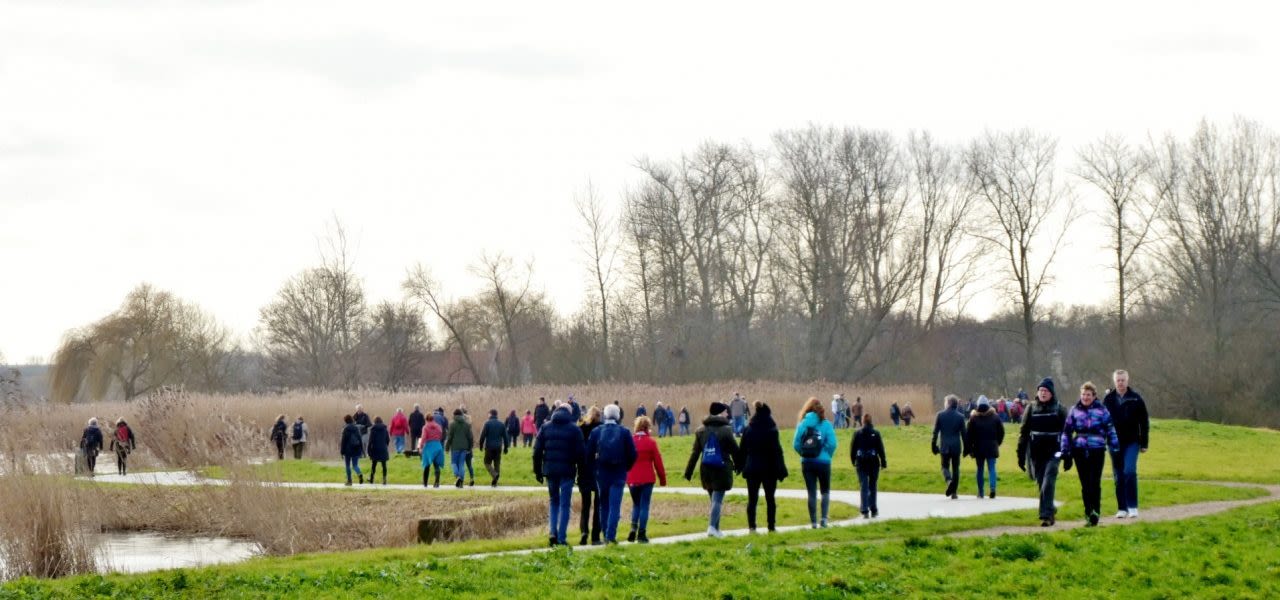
(142,552)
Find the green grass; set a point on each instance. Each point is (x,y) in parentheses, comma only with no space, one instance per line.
(1234,556)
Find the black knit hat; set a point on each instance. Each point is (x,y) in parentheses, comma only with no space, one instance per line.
(1047,383)
(718,407)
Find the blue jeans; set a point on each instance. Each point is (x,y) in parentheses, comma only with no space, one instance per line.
(991,472)
(868,479)
(611,506)
(399,440)
(739,423)
(351,463)
(684,429)
(817,477)
(717,503)
(560,489)
(641,497)
(458,461)
(839,421)
(1124,469)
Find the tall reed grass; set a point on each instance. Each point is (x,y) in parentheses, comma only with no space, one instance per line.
(45,529)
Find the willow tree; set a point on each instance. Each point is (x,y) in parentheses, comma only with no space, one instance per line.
(153,340)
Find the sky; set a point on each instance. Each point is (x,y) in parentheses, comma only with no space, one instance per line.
(206,146)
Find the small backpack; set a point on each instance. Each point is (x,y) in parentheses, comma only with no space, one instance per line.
(610,447)
(711,456)
(811,443)
(297,431)
(122,433)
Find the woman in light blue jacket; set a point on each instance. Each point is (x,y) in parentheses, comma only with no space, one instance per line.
(815,441)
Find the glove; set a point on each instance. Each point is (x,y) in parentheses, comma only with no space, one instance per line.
(935,449)
(539,478)
(688,477)
(1066,462)
(1022,466)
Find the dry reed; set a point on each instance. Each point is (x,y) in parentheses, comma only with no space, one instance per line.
(45,529)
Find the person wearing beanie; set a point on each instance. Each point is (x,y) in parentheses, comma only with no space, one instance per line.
(948,441)
(982,442)
(716,448)
(1086,435)
(611,452)
(1039,453)
(1129,411)
(764,464)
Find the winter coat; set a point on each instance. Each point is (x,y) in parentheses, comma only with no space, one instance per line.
(1088,428)
(91,440)
(399,425)
(416,421)
(460,437)
(128,444)
(985,434)
(541,413)
(351,445)
(279,431)
(587,474)
(894,411)
(379,439)
(513,427)
(1130,417)
(866,448)
(738,408)
(441,420)
(527,426)
(948,433)
(611,452)
(493,435)
(304,430)
(1038,437)
(363,422)
(648,461)
(715,479)
(431,432)
(641,411)
(559,449)
(575,410)
(763,459)
(684,417)
(825,429)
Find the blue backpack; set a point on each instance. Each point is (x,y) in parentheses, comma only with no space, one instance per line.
(711,456)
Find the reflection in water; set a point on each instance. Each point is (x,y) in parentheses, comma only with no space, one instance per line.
(141,552)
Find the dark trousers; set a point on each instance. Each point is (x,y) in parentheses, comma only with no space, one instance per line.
(590,512)
(817,477)
(868,481)
(91,459)
(122,461)
(373,471)
(280,448)
(493,462)
(298,447)
(1089,465)
(951,472)
(1045,473)
(753,500)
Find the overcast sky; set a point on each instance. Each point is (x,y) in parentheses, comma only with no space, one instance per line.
(204,146)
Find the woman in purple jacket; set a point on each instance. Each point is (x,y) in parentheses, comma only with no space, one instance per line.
(1086,436)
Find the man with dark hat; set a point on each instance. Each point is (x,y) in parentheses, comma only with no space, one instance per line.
(1038,446)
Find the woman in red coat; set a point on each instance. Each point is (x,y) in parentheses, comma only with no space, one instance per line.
(641,479)
(399,429)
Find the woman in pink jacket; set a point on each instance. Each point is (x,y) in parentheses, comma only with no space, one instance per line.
(641,479)
(399,429)
(528,428)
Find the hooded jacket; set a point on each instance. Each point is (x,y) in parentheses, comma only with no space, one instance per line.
(416,421)
(648,461)
(611,452)
(867,449)
(379,439)
(431,432)
(1129,413)
(527,426)
(762,449)
(513,426)
(715,479)
(460,438)
(91,439)
(399,425)
(985,434)
(351,445)
(559,449)
(825,429)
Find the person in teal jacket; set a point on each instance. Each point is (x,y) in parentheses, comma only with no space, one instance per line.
(815,441)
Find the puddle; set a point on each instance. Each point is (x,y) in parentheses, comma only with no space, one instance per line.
(142,552)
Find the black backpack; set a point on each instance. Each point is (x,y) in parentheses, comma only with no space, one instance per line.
(297,431)
(811,443)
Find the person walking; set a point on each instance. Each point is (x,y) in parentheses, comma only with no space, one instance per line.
(868,456)
(660,418)
(949,441)
(467,458)
(838,411)
(855,412)
(715,447)
(739,412)
(458,442)
(440,419)
(647,470)
(123,442)
(1015,411)
(528,428)
(513,429)
(764,465)
(982,442)
(399,430)
(351,447)
(815,442)
(558,453)
(575,409)
(684,421)
(364,423)
(431,450)
(895,414)
(641,411)
(299,437)
(494,441)
(417,421)
(541,412)
(589,517)
(907,414)
(1039,454)
(379,446)
(611,452)
(91,444)
(1133,426)
(1087,433)
(279,432)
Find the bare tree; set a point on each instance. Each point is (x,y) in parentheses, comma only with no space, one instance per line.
(397,343)
(508,295)
(1119,171)
(427,291)
(601,253)
(948,263)
(1014,175)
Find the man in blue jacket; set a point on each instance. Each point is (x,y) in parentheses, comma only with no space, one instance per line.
(948,440)
(611,451)
(557,453)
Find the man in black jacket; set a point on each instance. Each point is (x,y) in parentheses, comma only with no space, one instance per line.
(1129,413)
(948,440)
(1038,447)
(417,421)
(541,413)
(494,440)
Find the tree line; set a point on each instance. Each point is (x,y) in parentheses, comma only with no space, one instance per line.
(835,253)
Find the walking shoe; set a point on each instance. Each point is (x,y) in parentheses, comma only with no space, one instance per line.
(362,479)
(773,529)
(875,514)
(1124,514)
(955,497)
(993,494)
(643,538)
(1044,522)
(495,482)
(866,515)
(715,533)
(458,483)
(824,523)
(554,543)
(1093,519)
(472,484)
(348,484)
(979,495)
(631,537)
(1133,513)
(583,542)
